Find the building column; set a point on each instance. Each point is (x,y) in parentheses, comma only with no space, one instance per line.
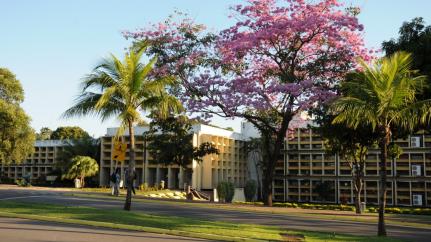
(146,172)
(426,194)
(102,175)
(170,180)
(196,176)
(157,176)
(181,178)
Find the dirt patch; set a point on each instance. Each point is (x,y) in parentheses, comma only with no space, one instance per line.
(293,237)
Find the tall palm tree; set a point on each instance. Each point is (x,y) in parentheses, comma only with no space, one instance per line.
(383,95)
(122,89)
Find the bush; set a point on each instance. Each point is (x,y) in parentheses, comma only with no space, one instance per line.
(22,182)
(372,210)
(250,190)
(225,191)
(6,180)
(249,203)
(342,207)
(395,210)
(145,188)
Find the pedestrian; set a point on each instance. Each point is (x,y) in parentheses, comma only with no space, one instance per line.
(112,180)
(130,181)
(117,181)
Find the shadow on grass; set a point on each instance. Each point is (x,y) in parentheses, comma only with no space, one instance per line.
(117,216)
(136,219)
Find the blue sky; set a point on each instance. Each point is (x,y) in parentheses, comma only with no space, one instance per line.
(50,45)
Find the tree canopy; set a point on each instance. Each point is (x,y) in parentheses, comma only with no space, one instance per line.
(383,95)
(415,38)
(68,132)
(279,58)
(122,89)
(350,144)
(170,141)
(17,137)
(44,134)
(86,146)
(81,167)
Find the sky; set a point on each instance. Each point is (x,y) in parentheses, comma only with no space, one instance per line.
(50,44)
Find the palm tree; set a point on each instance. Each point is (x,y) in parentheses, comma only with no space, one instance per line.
(122,89)
(81,167)
(383,95)
(85,146)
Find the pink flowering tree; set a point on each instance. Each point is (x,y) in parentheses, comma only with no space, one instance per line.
(279,59)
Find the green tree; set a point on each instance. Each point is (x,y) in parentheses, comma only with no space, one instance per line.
(86,146)
(16,136)
(81,167)
(250,190)
(44,134)
(383,95)
(351,144)
(122,89)
(171,142)
(254,153)
(414,37)
(324,189)
(10,88)
(69,132)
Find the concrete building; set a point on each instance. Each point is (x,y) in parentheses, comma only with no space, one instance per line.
(37,165)
(229,165)
(306,165)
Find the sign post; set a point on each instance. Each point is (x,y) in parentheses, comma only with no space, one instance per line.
(119,151)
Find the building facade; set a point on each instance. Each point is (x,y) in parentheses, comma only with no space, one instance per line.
(229,165)
(306,166)
(38,165)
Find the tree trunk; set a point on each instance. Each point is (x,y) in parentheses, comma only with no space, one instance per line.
(82,181)
(270,161)
(131,173)
(182,178)
(259,182)
(273,148)
(358,190)
(267,191)
(358,177)
(382,196)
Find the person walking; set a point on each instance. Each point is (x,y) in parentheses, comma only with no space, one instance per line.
(116,182)
(130,183)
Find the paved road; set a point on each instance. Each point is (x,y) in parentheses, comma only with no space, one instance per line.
(286,221)
(24,230)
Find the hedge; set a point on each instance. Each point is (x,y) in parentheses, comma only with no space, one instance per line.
(341,207)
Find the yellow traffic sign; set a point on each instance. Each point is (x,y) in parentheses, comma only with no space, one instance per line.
(119,151)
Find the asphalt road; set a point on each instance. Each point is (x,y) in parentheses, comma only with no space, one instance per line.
(24,230)
(293,222)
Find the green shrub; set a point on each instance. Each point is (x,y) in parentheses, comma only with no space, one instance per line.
(226,191)
(342,207)
(22,182)
(372,210)
(250,190)
(143,187)
(249,203)
(7,180)
(393,210)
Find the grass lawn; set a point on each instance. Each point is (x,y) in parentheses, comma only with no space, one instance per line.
(107,190)
(418,221)
(120,219)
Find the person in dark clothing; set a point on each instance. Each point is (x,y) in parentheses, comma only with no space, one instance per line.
(115,179)
(131,181)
